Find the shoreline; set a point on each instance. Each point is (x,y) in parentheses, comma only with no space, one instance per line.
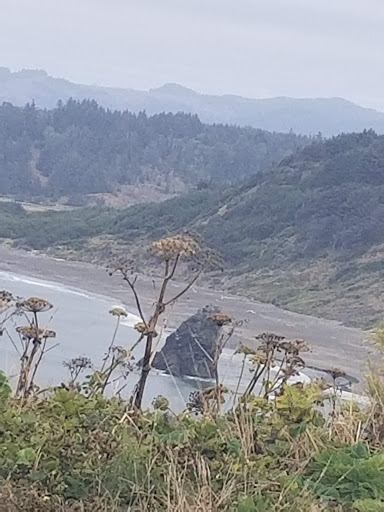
(332,343)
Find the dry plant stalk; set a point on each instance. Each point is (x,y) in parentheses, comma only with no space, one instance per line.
(33,340)
(169,251)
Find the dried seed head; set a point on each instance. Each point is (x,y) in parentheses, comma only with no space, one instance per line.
(300,346)
(195,402)
(78,362)
(288,371)
(268,337)
(269,340)
(6,296)
(259,357)
(6,299)
(140,327)
(170,247)
(123,265)
(221,319)
(121,353)
(4,305)
(143,329)
(118,311)
(35,305)
(295,361)
(215,392)
(31,332)
(294,347)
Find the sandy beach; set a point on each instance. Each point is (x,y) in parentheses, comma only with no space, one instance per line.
(332,343)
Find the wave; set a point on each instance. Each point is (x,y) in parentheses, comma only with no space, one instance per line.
(59,287)
(130,321)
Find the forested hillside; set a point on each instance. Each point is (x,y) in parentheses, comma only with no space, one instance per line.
(308,235)
(80,148)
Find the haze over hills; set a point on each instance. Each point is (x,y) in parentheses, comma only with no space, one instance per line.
(330,116)
(79,148)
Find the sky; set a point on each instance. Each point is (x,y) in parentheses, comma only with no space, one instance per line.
(254,48)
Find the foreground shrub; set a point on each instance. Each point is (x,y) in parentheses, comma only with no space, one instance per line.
(67,451)
(67,448)
(347,474)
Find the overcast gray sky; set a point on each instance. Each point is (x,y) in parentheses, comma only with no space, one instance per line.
(255,48)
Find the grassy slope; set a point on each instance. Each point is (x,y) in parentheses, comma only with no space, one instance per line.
(308,236)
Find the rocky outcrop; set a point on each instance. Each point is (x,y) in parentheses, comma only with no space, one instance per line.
(189,351)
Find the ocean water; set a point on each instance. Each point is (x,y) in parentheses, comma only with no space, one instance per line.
(84,327)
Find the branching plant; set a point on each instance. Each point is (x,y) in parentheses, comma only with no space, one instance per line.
(33,343)
(170,252)
(76,366)
(274,362)
(115,358)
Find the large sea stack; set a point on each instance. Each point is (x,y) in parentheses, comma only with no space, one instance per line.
(189,351)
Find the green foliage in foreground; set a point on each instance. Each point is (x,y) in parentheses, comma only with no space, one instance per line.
(66,451)
(351,473)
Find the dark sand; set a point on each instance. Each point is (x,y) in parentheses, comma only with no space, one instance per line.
(332,343)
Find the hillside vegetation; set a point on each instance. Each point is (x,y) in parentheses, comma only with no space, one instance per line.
(79,148)
(69,452)
(308,235)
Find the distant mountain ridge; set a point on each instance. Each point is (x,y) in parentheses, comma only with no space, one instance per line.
(330,116)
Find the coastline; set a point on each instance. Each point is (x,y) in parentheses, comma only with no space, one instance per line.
(332,343)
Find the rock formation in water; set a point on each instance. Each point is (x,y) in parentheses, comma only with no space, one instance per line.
(189,351)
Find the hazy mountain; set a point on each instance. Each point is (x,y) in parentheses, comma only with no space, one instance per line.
(308,116)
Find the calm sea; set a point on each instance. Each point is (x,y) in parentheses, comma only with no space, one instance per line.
(85,327)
